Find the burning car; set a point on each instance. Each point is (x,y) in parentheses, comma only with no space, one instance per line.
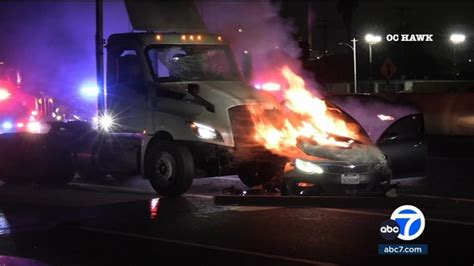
(368,165)
(329,151)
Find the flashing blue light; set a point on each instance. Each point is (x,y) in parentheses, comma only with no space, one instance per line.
(90,91)
(7,125)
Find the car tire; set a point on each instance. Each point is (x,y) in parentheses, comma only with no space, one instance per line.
(286,189)
(170,168)
(257,173)
(385,185)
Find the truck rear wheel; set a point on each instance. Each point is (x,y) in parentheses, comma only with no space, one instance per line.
(170,168)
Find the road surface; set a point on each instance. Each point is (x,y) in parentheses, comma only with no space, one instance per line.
(125,223)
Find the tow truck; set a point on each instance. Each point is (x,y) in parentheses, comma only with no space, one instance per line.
(174,107)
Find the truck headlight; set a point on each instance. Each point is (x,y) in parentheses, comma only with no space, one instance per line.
(204,131)
(308,167)
(107,122)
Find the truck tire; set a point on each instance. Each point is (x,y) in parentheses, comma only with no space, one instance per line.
(170,168)
(257,173)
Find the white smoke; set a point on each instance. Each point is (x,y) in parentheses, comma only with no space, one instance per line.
(254,28)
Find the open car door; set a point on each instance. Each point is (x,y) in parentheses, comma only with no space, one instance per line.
(404,144)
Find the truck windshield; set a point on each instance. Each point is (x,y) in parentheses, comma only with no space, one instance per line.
(193,62)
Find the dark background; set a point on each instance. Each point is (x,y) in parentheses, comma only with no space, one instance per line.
(52,42)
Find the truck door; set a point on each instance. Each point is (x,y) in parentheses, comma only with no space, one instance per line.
(126,90)
(403,143)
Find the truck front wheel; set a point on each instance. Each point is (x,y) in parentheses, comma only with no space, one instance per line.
(170,168)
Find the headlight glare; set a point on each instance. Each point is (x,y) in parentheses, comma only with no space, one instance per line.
(308,167)
(107,122)
(204,131)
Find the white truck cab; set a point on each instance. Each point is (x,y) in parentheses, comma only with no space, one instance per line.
(183,98)
(174,107)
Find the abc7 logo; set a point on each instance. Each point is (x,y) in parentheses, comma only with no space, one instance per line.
(389,229)
(406,222)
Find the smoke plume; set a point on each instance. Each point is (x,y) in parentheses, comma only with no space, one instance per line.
(255,31)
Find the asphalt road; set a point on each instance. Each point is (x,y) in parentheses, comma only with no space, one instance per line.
(125,223)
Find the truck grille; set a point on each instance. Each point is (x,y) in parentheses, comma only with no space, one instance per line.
(242,127)
(243,130)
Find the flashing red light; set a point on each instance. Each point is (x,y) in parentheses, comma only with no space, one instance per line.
(154,206)
(4,94)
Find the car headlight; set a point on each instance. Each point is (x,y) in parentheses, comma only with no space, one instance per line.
(308,167)
(204,131)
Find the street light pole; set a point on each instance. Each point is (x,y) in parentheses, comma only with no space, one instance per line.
(454,62)
(370,61)
(371,40)
(456,39)
(355,64)
(353,47)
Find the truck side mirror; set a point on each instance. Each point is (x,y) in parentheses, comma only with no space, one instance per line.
(194,90)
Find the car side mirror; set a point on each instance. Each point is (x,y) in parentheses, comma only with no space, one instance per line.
(390,136)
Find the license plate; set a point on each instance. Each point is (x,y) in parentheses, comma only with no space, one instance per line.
(350,179)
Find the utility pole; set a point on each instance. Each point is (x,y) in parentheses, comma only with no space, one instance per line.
(355,64)
(353,47)
(99,50)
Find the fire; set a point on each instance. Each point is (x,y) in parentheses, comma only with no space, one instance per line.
(303,116)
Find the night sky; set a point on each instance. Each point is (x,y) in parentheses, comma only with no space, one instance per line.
(35,34)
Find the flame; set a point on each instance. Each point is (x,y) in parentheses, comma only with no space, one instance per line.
(303,116)
(385,117)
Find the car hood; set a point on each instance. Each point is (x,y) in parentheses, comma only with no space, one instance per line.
(357,153)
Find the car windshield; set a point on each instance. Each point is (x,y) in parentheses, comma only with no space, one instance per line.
(193,63)
(352,124)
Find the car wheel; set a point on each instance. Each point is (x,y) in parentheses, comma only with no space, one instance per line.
(170,168)
(258,173)
(385,185)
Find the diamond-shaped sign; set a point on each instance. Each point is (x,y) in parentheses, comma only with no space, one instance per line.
(388,69)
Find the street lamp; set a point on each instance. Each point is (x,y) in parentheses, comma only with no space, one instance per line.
(371,40)
(353,47)
(456,38)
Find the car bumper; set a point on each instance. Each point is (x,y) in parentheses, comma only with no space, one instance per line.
(296,182)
